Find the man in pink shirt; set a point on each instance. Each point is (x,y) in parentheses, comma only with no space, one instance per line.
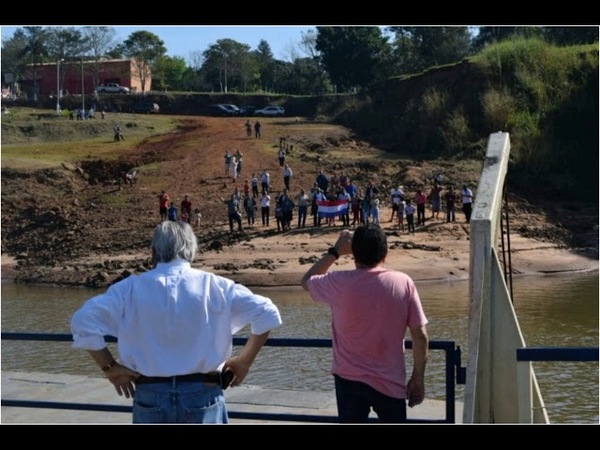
(371,309)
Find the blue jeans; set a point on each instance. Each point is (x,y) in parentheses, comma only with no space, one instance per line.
(179,402)
(355,400)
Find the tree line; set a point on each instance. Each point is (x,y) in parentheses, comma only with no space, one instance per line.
(326,60)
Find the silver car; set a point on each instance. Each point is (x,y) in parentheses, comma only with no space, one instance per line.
(270,111)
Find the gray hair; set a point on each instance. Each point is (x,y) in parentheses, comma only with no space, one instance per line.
(174,240)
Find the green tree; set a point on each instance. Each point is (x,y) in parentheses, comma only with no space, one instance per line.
(351,55)
(431,46)
(405,56)
(145,49)
(65,44)
(571,35)
(266,65)
(314,79)
(227,58)
(100,40)
(15,58)
(35,52)
(169,73)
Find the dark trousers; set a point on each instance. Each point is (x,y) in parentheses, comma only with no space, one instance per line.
(315,214)
(345,220)
(235,218)
(265,215)
(467,209)
(302,211)
(286,181)
(250,215)
(420,213)
(450,213)
(410,220)
(355,400)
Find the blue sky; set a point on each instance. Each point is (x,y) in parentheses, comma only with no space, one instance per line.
(183,40)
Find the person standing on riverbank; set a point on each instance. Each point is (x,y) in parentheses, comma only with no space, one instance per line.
(186,209)
(467,202)
(257,128)
(371,307)
(234,206)
(163,205)
(174,325)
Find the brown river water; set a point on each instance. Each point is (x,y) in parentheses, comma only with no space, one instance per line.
(553,311)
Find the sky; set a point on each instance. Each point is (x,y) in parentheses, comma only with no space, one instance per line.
(183,40)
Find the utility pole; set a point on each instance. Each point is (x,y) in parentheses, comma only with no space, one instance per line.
(82,89)
(58,86)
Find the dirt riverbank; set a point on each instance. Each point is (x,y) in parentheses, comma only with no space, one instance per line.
(73,225)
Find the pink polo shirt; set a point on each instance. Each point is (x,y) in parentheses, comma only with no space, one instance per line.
(371,310)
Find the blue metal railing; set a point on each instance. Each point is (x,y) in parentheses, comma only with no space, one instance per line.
(583,354)
(527,409)
(455,374)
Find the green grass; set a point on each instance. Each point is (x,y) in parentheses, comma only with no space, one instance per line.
(39,139)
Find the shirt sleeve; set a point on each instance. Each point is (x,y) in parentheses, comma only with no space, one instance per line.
(416,314)
(248,308)
(99,316)
(322,287)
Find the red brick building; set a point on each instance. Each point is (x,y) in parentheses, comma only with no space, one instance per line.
(77,77)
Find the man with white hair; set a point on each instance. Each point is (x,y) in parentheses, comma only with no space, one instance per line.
(174,326)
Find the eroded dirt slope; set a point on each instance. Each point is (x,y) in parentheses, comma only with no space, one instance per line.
(76,225)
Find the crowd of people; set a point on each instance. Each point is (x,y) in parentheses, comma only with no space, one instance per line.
(258,201)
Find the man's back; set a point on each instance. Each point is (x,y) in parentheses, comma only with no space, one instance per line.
(371,310)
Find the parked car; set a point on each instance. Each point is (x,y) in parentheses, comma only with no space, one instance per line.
(270,111)
(235,111)
(219,111)
(112,88)
(247,110)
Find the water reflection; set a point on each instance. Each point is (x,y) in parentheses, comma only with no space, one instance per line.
(560,311)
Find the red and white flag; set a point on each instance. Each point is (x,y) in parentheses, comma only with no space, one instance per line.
(332,208)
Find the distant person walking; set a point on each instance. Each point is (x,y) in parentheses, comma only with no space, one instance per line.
(172,212)
(302,201)
(197,217)
(234,214)
(467,202)
(239,157)
(421,200)
(257,128)
(265,182)
(228,157)
(163,205)
(254,182)
(186,209)
(450,198)
(265,208)
(409,211)
(287,176)
(435,197)
(281,157)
